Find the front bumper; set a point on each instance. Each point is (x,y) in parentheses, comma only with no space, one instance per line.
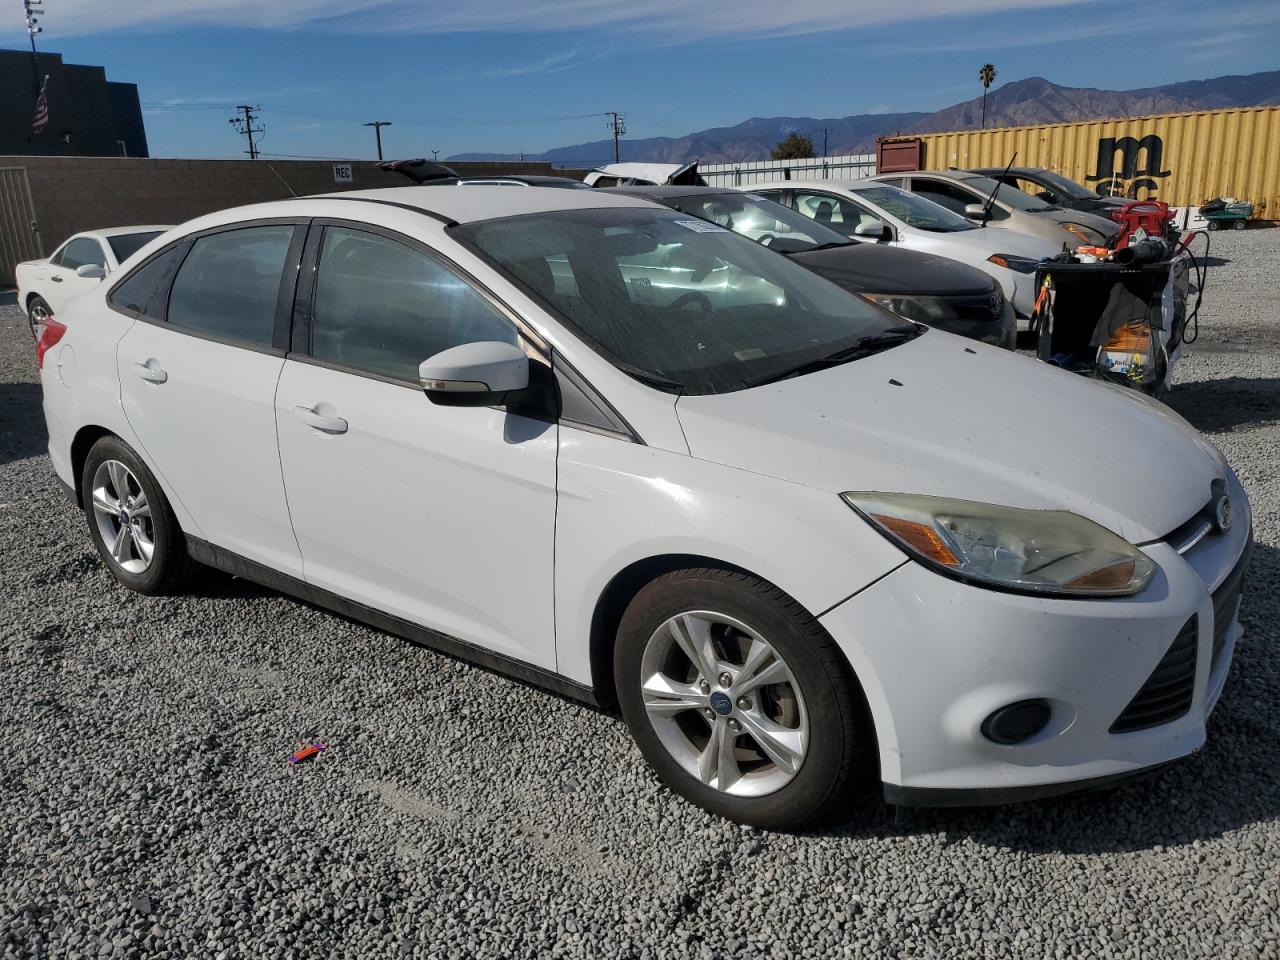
(937,657)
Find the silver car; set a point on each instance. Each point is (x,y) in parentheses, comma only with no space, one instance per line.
(986,201)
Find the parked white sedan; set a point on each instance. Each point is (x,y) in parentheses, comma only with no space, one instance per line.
(77,266)
(778,530)
(880,213)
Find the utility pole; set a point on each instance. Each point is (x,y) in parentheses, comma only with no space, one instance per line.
(619,126)
(824,142)
(377,132)
(35,11)
(244,126)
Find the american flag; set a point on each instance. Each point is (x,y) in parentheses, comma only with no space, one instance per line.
(42,108)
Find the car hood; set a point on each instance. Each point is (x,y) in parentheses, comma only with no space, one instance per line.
(882,269)
(988,240)
(1108,228)
(945,416)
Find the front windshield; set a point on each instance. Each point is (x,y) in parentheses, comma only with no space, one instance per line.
(681,303)
(777,227)
(913,209)
(1009,196)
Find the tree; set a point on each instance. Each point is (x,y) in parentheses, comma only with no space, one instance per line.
(794,147)
(987,75)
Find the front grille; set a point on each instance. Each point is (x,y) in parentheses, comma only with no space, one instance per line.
(1167,694)
(1225,600)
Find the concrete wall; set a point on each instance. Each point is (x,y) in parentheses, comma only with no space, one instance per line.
(71,194)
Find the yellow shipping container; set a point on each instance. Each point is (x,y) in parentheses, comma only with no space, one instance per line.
(1181,158)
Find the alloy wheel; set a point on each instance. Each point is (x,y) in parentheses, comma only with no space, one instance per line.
(123,515)
(724,703)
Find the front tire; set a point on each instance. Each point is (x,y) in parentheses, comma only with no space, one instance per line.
(1240,225)
(38,311)
(740,700)
(130,520)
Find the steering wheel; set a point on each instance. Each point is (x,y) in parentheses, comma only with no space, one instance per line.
(690,299)
(766,239)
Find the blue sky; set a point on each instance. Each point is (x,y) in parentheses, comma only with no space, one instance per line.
(467,75)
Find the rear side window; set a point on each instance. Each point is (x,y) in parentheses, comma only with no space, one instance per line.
(229,284)
(125,245)
(80,251)
(145,292)
(382,307)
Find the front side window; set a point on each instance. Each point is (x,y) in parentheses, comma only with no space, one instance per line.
(382,307)
(83,250)
(229,284)
(838,212)
(677,302)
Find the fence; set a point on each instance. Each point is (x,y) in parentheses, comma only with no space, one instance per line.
(768,171)
(43,200)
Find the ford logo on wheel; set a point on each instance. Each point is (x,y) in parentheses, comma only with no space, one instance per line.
(1222,513)
(721,703)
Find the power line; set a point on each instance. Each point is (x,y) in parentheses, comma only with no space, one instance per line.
(244,126)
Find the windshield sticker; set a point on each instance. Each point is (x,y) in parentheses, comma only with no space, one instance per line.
(701,226)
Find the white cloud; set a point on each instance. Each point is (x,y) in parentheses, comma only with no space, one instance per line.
(669,17)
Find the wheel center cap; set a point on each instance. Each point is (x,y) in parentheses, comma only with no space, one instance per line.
(124,518)
(721,703)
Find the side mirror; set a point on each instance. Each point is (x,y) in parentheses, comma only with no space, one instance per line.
(474,374)
(874,231)
(94,271)
(1047,196)
(977,211)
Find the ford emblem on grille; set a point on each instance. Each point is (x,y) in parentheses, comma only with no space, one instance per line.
(1222,513)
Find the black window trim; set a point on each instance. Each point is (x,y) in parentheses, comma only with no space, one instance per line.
(300,336)
(284,296)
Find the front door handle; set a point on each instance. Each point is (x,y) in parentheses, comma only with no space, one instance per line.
(319,421)
(56,279)
(151,372)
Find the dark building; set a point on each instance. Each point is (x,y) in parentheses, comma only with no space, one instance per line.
(89,115)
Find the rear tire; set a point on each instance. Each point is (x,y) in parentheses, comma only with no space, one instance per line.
(703,734)
(1240,225)
(37,311)
(1212,225)
(130,520)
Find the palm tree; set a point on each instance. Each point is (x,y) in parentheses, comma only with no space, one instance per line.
(987,75)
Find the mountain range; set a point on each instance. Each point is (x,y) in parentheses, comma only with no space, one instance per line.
(1030,101)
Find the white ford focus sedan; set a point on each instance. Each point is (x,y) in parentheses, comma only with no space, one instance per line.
(772,522)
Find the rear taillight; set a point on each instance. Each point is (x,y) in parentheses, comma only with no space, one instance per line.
(50,333)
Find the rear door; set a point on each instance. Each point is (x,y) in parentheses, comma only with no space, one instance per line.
(198,376)
(442,516)
(63,282)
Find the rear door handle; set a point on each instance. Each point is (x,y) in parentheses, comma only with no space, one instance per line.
(56,279)
(320,422)
(151,372)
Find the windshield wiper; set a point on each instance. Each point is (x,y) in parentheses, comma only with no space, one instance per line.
(652,379)
(829,245)
(865,347)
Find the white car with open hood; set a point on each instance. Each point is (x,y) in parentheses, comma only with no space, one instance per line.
(77,265)
(777,526)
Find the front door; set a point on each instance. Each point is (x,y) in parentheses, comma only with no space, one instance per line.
(198,381)
(443,516)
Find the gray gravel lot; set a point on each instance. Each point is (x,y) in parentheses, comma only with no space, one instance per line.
(146,808)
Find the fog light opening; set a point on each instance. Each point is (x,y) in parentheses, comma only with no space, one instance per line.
(1017,722)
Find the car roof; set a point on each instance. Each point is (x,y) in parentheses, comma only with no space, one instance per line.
(849,184)
(481,202)
(1013,171)
(669,192)
(106,232)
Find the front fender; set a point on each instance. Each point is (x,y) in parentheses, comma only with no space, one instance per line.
(622,502)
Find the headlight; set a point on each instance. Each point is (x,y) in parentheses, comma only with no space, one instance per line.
(1015,263)
(921,309)
(1032,551)
(1087,235)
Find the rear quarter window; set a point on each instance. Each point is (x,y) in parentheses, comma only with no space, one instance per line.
(145,292)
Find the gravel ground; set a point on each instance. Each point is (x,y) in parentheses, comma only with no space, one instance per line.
(146,808)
